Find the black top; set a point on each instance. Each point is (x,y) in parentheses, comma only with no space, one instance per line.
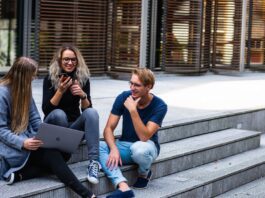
(69,103)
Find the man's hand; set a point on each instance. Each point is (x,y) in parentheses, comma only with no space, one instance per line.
(64,83)
(114,159)
(131,104)
(32,144)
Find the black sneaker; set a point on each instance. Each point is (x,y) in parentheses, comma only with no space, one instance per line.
(120,194)
(11,179)
(141,183)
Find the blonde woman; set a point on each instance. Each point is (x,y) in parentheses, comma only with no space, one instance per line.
(65,90)
(21,157)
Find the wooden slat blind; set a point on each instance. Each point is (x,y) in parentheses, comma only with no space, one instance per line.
(124,34)
(81,22)
(257,34)
(226,34)
(181,48)
(34,31)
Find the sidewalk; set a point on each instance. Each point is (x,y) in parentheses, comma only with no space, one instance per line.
(188,97)
(199,156)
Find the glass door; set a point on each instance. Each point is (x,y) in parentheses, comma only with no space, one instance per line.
(256,37)
(182,36)
(226,34)
(8,35)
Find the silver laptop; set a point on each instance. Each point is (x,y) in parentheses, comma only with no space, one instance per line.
(61,138)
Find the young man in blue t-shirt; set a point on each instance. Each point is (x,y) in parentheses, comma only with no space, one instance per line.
(143,114)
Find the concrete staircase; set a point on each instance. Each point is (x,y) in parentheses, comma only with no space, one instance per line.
(255,189)
(203,158)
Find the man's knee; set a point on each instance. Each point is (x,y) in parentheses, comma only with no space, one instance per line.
(142,151)
(139,148)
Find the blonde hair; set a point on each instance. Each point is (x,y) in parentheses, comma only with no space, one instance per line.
(82,71)
(145,75)
(19,79)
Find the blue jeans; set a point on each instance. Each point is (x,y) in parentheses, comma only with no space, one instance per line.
(141,153)
(88,122)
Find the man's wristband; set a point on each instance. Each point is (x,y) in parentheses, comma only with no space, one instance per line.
(83,97)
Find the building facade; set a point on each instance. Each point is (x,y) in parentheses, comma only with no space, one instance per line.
(115,36)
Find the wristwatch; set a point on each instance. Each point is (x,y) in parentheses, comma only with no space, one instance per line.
(83,97)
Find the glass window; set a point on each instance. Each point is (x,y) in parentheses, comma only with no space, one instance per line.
(8,26)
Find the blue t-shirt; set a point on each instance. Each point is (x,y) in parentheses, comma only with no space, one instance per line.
(154,112)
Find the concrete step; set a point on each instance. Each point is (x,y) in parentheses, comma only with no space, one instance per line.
(213,179)
(174,157)
(255,189)
(80,154)
(248,120)
(194,127)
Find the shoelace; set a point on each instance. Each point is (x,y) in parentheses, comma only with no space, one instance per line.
(94,168)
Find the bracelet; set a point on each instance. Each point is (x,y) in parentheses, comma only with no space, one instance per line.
(83,97)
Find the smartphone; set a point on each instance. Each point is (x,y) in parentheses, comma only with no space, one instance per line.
(65,75)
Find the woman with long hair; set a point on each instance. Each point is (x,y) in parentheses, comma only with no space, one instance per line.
(66,101)
(21,157)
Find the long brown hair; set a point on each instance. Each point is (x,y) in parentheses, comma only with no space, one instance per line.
(19,79)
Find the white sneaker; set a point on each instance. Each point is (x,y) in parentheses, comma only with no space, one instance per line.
(92,171)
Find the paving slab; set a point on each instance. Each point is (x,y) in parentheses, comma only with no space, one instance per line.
(188,97)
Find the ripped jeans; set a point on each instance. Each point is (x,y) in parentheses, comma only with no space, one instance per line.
(141,153)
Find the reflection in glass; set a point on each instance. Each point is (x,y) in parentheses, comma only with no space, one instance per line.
(258,33)
(8,25)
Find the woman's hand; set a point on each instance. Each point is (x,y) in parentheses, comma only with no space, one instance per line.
(76,89)
(32,144)
(64,84)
